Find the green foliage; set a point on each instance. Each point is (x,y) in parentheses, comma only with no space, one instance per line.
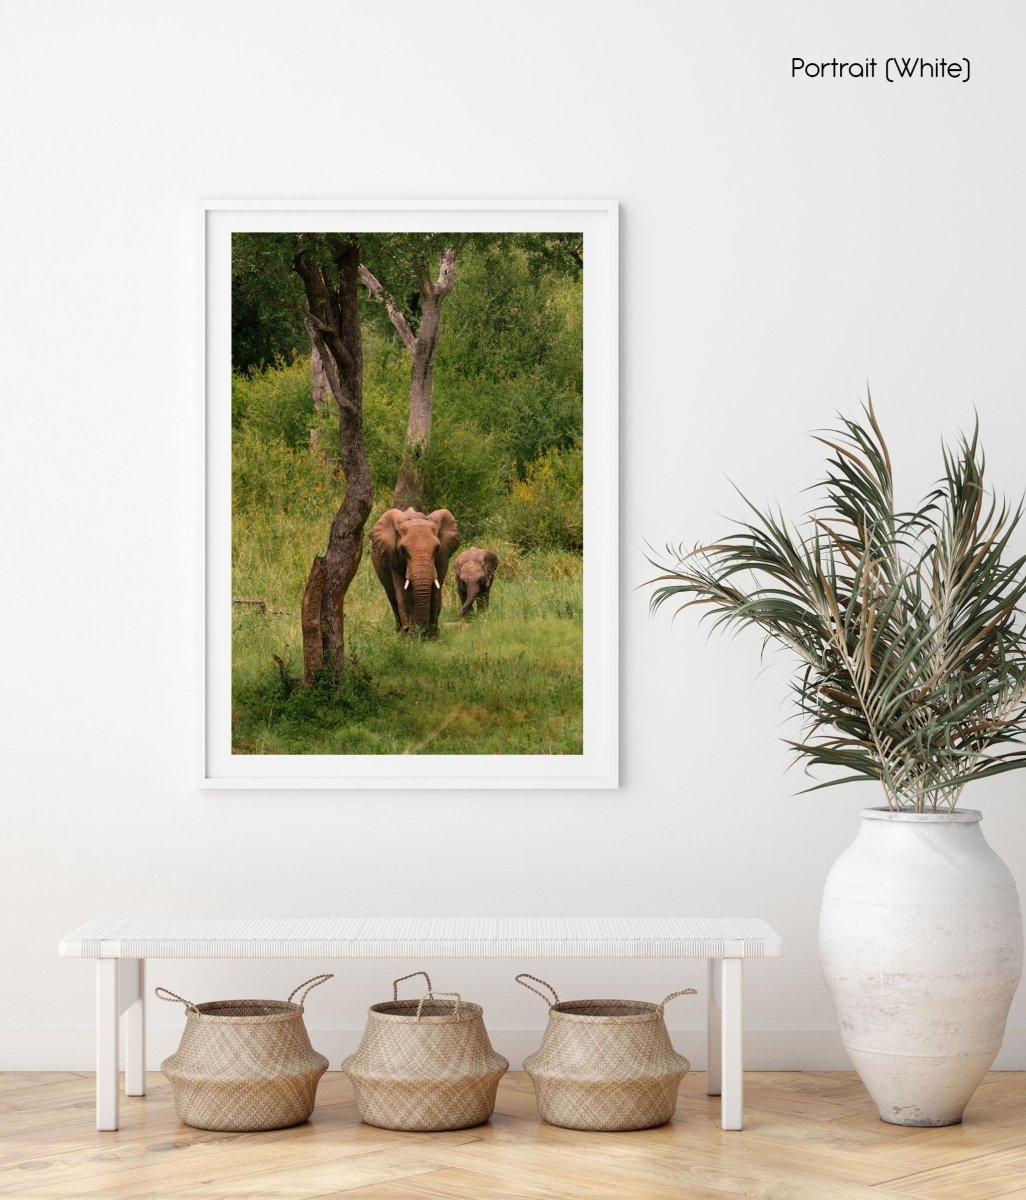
(538,417)
(263,334)
(386,406)
(267,325)
(504,319)
(545,508)
(465,470)
(510,349)
(276,402)
(269,476)
(908,626)
(527,413)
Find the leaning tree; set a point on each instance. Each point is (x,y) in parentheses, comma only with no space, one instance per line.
(313,279)
(425,265)
(317,276)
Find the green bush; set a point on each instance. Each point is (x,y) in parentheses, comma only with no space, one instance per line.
(526,413)
(386,406)
(537,416)
(466,470)
(276,402)
(546,507)
(269,476)
(508,315)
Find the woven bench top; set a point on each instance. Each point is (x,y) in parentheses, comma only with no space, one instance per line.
(422,937)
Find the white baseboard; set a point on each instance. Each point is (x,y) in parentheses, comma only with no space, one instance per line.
(764,1049)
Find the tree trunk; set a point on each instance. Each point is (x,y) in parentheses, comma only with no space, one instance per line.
(318,376)
(318,385)
(422,345)
(409,486)
(313,648)
(335,323)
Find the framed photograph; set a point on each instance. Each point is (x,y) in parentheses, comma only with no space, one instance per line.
(409,449)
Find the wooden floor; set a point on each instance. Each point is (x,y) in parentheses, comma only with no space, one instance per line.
(808,1136)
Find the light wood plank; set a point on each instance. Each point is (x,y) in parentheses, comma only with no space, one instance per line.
(982,1178)
(808,1136)
(10,1080)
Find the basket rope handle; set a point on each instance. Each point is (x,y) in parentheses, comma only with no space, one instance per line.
(397,982)
(523,975)
(172,997)
(432,995)
(674,995)
(309,985)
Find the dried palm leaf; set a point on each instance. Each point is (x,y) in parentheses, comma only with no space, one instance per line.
(908,626)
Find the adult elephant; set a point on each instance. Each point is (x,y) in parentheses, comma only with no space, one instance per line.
(475,570)
(410,551)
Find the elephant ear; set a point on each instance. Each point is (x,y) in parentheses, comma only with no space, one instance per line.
(385,534)
(491,560)
(448,534)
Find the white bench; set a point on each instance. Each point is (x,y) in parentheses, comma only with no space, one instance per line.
(121,946)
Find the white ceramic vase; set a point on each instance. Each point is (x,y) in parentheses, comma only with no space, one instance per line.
(921,947)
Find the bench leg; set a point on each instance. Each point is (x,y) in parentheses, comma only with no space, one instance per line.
(108,1014)
(714,1025)
(131,998)
(727,973)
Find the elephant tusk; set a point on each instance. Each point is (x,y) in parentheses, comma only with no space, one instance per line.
(406,584)
(437,584)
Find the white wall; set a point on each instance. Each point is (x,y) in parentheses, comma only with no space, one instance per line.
(782,242)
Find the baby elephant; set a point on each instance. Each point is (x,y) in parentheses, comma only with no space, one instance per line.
(475,570)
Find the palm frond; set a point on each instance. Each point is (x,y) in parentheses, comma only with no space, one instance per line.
(908,625)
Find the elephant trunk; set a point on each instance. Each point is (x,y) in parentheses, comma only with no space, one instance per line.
(471,597)
(422,583)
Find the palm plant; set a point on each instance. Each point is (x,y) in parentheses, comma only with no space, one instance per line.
(908,626)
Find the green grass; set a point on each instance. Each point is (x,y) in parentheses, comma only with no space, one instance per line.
(506,681)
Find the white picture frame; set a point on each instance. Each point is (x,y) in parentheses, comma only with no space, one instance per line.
(597,766)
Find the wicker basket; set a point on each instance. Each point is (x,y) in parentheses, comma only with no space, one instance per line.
(605,1064)
(425,1065)
(245,1065)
